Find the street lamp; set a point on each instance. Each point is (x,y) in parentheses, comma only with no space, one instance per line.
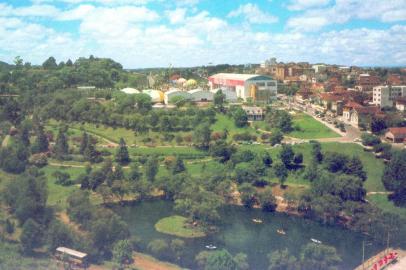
(363,252)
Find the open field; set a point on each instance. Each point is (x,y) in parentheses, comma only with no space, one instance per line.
(381,200)
(58,194)
(225,122)
(309,128)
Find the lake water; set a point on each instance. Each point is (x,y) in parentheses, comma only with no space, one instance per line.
(239,234)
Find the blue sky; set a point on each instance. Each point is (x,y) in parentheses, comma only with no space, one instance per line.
(152,33)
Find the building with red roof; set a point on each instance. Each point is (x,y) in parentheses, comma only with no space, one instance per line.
(396,134)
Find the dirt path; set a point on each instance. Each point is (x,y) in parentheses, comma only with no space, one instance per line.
(5,141)
(146,262)
(379,192)
(109,142)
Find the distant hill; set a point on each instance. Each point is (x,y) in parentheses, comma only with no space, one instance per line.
(4,65)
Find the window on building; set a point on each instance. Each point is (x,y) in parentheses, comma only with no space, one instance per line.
(261,84)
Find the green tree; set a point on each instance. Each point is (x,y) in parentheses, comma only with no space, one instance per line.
(122,252)
(354,167)
(122,155)
(177,247)
(282,260)
(50,63)
(151,168)
(298,158)
(276,137)
(394,176)
(58,235)
(135,174)
(240,117)
(248,195)
(201,136)
(178,166)
(316,153)
(30,237)
(221,259)
(286,154)
(79,207)
(219,99)
(61,148)
(267,200)
(281,172)
(83,143)
(241,260)
(319,257)
(41,141)
(158,247)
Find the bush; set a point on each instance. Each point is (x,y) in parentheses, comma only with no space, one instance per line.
(369,139)
(39,160)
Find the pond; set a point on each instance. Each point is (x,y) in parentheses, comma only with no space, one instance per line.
(239,233)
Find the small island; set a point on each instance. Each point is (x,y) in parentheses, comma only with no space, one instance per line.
(179,226)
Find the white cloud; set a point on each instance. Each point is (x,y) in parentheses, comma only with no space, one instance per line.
(305,4)
(138,37)
(28,11)
(345,10)
(176,16)
(253,14)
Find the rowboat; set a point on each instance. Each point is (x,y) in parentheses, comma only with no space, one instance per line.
(315,241)
(281,231)
(211,247)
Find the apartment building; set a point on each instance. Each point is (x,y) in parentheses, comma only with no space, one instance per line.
(386,95)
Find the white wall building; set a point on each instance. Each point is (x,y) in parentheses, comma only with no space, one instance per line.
(200,95)
(257,87)
(319,68)
(231,96)
(385,96)
(175,93)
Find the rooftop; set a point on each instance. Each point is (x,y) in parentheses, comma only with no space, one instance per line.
(72,252)
(236,76)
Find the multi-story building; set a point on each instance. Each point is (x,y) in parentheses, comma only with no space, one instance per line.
(367,82)
(257,87)
(386,95)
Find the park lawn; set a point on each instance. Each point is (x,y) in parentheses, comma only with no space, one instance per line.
(373,166)
(184,151)
(382,201)
(177,226)
(225,122)
(58,194)
(310,128)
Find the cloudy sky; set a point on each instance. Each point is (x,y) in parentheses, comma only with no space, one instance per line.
(151,33)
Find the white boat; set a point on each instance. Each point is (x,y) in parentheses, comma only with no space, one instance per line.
(280,231)
(256,220)
(211,247)
(315,241)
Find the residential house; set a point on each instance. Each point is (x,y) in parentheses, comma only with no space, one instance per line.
(401,104)
(396,134)
(254,113)
(303,95)
(358,115)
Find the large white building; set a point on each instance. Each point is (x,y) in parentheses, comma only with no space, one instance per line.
(257,87)
(385,95)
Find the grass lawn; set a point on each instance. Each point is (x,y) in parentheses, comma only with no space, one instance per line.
(225,122)
(309,128)
(382,201)
(185,151)
(58,194)
(176,225)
